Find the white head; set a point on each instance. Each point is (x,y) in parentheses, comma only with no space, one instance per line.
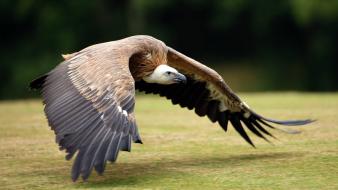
(163,74)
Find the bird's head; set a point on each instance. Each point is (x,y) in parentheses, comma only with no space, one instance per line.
(164,74)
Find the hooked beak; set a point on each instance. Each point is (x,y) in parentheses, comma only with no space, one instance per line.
(179,78)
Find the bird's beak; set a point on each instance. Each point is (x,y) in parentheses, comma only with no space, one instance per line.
(179,78)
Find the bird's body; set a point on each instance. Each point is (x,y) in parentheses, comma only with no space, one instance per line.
(89,98)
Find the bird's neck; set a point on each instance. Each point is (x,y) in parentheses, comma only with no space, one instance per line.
(146,53)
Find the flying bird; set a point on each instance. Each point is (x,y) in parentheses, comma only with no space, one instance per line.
(90,97)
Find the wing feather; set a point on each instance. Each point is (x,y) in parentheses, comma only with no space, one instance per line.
(89,103)
(223,119)
(100,161)
(212,110)
(236,123)
(208,94)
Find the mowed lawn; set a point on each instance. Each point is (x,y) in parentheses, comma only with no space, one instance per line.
(181,150)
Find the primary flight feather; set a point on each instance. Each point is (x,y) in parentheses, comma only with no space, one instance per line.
(89,98)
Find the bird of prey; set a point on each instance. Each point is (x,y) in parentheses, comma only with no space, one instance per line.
(89,98)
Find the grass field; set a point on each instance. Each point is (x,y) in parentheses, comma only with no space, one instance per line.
(181,150)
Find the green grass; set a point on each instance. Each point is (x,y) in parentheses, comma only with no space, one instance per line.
(181,150)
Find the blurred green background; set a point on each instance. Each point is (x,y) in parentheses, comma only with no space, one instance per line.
(256,45)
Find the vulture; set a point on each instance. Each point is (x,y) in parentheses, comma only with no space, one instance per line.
(90,98)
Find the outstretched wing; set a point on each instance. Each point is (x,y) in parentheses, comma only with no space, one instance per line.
(207,93)
(89,103)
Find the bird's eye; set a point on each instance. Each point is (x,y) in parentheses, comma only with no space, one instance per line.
(168,72)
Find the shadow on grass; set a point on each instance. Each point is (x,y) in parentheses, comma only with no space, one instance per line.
(134,174)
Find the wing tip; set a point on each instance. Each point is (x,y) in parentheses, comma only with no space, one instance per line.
(138,141)
(291,122)
(37,83)
(283,122)
(257,123)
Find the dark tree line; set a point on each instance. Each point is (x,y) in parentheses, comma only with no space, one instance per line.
(294,42)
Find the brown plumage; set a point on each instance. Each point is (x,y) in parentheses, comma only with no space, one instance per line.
(89,98)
